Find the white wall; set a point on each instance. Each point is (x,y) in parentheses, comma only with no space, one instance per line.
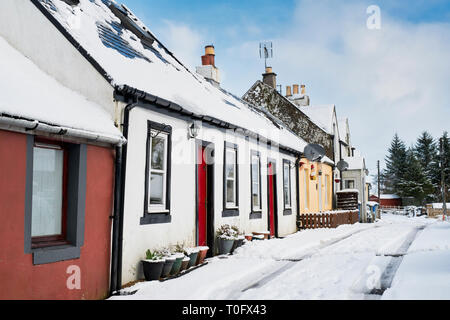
(29,31)
(138,238)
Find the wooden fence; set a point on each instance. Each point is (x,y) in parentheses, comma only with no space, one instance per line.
(327,220)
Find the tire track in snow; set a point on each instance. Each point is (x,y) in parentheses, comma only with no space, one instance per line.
(391,269)
(292,262)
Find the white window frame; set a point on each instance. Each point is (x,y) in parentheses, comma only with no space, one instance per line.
(231,205)
(287,163)
(152,208)
(257,157)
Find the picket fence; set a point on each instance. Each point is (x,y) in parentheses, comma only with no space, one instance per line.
(328,220)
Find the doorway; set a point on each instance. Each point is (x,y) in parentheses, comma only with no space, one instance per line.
(272,197)
(204,172)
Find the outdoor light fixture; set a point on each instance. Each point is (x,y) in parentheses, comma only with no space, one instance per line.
(193,130)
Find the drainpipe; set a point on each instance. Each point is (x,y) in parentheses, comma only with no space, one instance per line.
(297,185)
(119,196)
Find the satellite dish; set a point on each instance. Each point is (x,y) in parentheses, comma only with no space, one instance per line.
(342,165)
(314,152)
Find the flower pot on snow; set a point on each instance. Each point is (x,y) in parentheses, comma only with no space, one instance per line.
(184,263)
(202,254)
(168,264)
(177,264)
(258,237)
(192,254)
(225,245)
(153,269)
(266,234)
(249,237)
(237,243)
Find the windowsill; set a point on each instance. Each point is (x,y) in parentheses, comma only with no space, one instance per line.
(156,218)
(287,212)
(230,212)
(53,254)
(256,215)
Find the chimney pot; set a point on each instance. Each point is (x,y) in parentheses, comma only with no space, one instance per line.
(209,58)
(295,88)
(288,91)
(303,89)
(209,50)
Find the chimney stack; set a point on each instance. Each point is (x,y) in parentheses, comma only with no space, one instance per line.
(270,78)
(301,99)
(288,91)
(208,68)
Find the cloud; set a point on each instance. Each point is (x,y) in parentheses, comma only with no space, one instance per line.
(186,42)
(390,80)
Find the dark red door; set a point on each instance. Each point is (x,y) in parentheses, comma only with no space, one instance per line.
(271,200)
(202,196)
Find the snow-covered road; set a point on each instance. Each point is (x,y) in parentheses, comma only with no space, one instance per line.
(361,261)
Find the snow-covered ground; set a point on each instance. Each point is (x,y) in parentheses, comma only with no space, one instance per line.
(395,258)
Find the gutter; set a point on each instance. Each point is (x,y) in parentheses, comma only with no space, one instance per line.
(297,185)
(30,125)
(126,93)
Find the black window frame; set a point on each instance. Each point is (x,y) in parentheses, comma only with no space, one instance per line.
(230,212)
(255,214)
(287,210)
(151,217)
(75,207)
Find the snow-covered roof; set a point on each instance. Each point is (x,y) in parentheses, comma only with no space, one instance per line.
(342,125)
(389,196)
(151,68)
(347,190)
(29,93)
(440,205)
(327,160)
(355,163)
(322,115)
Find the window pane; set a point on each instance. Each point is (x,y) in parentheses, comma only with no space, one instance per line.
(230,191)
(230,162)
(156,188)
(286,185)
(47,192)
(256,197)
(158,148)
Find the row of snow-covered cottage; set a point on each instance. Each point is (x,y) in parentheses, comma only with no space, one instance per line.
(109,146)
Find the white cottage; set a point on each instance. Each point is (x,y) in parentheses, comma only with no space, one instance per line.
(196,156)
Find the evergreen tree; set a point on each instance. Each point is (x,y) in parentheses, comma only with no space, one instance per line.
(426,151)
(437,171)
(414,182)
(395,165)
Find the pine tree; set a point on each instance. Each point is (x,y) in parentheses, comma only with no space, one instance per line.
(426,152)
(414,182)
(395,165)
(437,170)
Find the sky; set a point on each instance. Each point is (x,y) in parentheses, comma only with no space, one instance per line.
(392,79)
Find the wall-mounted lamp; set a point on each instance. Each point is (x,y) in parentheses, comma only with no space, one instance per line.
(193,130)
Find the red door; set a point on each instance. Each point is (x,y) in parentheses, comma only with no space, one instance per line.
(271,200)
(202,195)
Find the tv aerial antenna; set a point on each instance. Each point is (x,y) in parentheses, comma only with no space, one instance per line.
(266,51)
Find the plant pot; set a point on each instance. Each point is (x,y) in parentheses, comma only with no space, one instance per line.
(225,245)
(202,254)
(237,243)
(168,264)
(193,253)
(249,237)
(152,269)
(258,237)
(184,263)
(177,264)
(266,234)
